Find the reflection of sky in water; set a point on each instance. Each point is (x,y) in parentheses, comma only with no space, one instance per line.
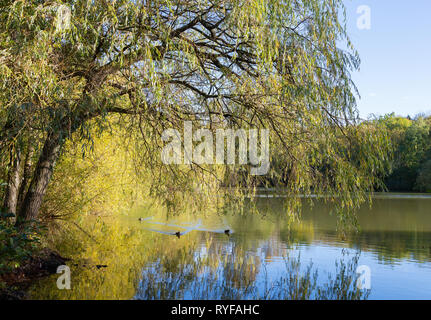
(402,279)
(395,243)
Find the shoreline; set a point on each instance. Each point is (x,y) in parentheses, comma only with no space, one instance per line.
(42,264)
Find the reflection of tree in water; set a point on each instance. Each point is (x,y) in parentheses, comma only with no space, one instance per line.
(239,274)
(392,229)
(239,268)
(124,250)
(198,266)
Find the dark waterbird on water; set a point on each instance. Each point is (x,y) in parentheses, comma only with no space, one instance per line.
(178,234)
(145,219)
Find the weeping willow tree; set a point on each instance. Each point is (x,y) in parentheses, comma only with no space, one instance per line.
(73,68)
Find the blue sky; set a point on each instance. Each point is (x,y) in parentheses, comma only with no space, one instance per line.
(395,74)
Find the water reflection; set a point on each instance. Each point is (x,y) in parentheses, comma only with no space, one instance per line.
(243,276)
(266,257)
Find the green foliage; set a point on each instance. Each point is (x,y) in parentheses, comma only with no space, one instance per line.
(16,245)
(223,64)
(2,187)
(423,182)
(411,140)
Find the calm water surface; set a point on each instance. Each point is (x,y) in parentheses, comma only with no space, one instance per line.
(260,254)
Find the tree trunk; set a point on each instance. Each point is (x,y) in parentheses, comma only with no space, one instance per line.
(41,178)
(14,179)
(26,176)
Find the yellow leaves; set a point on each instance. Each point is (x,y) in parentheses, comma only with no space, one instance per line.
(102,183)
(289,58)
(5,71)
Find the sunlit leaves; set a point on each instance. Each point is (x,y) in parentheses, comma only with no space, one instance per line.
(226,63)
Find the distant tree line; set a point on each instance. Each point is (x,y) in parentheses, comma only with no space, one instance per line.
(411,162)
(407,168)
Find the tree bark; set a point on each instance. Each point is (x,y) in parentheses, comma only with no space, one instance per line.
(41,178)
(26,176)
(14,179)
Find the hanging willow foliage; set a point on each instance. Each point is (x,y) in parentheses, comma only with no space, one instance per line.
(68,67)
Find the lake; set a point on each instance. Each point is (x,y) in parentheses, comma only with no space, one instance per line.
(250,255)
